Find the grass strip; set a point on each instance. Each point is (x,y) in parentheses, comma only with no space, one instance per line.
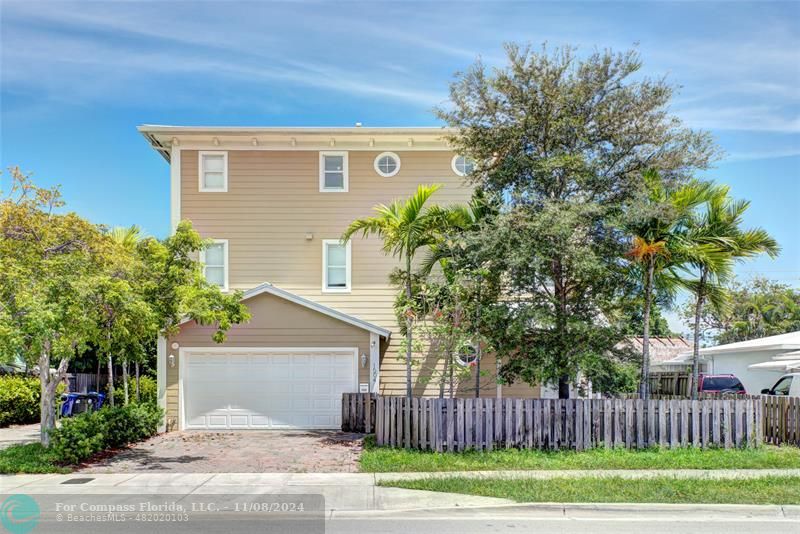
(29,458)
(387,460)
(764,490)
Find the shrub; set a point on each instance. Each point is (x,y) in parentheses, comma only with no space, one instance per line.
(19,400)
(78,438)
(148,390)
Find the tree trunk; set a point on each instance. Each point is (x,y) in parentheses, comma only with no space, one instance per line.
(125,382)
(644,384)
(479,345)
(110,381)
(136,366)
(450,365)
(49,384)
(698,310)
(563,387)
(409,326)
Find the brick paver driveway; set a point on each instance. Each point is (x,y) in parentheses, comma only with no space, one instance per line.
(257,451)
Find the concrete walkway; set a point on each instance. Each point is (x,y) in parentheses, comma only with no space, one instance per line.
(18,434)
(345,491)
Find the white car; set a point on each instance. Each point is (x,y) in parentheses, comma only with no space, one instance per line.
(787,385)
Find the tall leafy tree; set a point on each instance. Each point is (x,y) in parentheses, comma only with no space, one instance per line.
(43,256)
(564,140)
(720,241)
(757,308)
(406,226)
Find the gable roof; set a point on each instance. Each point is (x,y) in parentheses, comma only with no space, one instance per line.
(266,287)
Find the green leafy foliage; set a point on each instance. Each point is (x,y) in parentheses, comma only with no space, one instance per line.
(758,308)
(78,438)
(148,390)
(563,142)
(19,400)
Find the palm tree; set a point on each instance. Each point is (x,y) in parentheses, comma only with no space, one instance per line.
(718,241)
(405,227)
(658,244)
(128,238)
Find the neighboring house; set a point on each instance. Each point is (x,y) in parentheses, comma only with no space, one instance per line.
(276,201)
(661,348)
(757,363)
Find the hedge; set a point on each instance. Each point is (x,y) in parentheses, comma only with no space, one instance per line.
(19,400)
(78,438)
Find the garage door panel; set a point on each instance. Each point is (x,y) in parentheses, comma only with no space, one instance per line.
(267,389)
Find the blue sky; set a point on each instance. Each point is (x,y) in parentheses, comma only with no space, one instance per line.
(78,77)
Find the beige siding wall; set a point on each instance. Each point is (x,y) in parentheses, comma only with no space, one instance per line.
(276,323)
(273,201)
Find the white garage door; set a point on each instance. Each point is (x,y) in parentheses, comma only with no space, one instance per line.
(266,388)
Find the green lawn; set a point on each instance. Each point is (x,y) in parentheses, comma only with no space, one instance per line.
(387,460)
(29,458)
(767,490)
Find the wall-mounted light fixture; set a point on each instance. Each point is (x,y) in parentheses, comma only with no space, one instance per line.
(363,359)
(175,345)
(171,360)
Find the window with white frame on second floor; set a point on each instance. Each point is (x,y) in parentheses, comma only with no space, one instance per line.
(215,263)
(213,172)
(335,266)
(333,172)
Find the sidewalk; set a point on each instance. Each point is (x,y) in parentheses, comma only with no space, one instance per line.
(18,434)
(342,492)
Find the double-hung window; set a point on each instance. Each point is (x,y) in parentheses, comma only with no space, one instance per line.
(213,172)
(335,266)
(215,263)
(333,172)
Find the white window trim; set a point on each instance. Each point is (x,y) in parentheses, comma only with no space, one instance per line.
(383,155)
(453,165)
(345,172)
(348,267)
(226,265)
(202,188)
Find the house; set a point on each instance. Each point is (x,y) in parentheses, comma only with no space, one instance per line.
(276,201)
(757,362)
(661,348)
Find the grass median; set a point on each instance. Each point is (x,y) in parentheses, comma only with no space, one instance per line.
(387,460)
(763,490)
(29,458)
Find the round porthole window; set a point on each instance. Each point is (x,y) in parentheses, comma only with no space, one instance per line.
(462,165)
(387,164)
(467,356)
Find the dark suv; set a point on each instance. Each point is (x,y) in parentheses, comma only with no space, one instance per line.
(719,384)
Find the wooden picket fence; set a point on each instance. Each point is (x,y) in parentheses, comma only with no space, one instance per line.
(781,419)
(578,424)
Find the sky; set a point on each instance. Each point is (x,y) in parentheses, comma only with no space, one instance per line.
(77,78)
